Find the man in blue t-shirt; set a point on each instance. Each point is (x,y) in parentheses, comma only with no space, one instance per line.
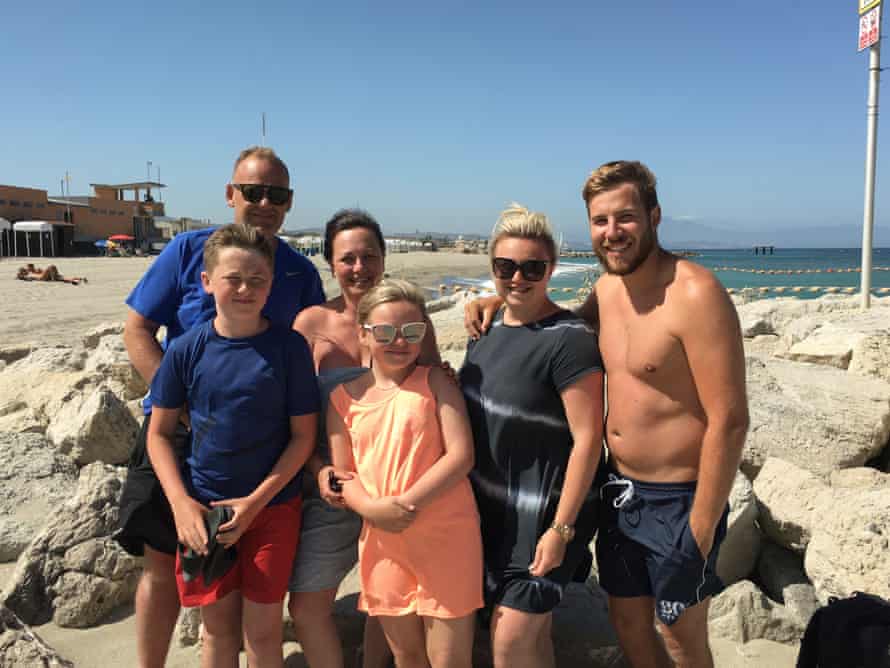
(170,294)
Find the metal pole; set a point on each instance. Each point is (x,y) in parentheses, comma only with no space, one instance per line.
(160,191)
(68,199)
(874,80)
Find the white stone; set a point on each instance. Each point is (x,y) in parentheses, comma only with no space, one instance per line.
(817,417)
(740,548)
(850,546)
(791,502)
(72,572)
(94,427)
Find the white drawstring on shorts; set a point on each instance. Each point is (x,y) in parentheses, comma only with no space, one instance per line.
(627,493)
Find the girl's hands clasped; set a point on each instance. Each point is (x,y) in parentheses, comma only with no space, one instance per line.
(390,513)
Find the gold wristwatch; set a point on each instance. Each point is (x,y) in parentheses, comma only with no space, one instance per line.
(566,532)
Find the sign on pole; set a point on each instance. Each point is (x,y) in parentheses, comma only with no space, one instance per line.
(869,28)
(865,5)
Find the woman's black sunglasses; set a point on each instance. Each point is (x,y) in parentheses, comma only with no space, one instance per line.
(532,270)
(254,193)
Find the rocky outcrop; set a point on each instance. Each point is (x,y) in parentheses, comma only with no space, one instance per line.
(791,500)
(20,646)
(743,612)
(818,417)
(94,427)
(76,396)
(842,529)
(740,548)
(72,572)
(850,546)
(34,481)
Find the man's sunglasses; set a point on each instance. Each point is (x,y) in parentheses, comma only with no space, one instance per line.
(385,333)
(531,270)
(254,193)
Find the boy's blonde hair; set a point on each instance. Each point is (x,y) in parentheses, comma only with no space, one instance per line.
(237,235)
(518,222)
(387,291)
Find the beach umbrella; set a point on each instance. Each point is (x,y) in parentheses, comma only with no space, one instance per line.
(121,237)
(102,243)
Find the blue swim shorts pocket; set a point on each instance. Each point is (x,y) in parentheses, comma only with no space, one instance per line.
(679,578)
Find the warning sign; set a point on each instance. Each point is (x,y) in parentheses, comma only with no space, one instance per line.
(870,28)
(865,5)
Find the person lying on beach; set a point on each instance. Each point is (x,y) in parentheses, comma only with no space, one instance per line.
(31,273)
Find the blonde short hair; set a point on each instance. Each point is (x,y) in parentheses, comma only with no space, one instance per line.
(387,291)
(518,222)
(613,174)
(237,235)
(261,153)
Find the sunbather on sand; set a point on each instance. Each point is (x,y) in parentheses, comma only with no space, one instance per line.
(31,273)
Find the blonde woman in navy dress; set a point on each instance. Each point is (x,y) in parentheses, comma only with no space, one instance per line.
(534,391)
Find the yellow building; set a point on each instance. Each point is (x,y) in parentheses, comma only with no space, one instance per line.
(123,208)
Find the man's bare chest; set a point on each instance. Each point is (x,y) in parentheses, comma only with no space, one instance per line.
(641,345)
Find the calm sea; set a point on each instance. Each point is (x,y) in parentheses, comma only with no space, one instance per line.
(738,269)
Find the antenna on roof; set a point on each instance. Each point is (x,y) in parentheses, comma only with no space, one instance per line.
(263,137)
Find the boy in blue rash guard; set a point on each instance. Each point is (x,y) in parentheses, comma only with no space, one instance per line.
(170,295)
(253,402)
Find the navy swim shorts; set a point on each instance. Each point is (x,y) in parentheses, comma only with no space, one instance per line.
(645,546)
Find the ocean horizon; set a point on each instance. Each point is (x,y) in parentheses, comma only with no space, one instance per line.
(740,269)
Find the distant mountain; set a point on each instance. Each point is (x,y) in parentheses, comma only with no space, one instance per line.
(679,234)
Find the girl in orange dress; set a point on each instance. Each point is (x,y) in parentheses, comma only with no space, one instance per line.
(403,429)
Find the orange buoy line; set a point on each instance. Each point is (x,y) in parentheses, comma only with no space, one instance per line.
(789,272)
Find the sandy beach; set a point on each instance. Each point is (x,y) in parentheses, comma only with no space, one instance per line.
(53,313)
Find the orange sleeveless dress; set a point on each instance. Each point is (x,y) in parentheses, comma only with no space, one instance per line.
(434,567)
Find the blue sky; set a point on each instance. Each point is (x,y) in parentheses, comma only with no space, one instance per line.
(434,116)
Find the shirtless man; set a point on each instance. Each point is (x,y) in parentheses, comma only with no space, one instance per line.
(672,350)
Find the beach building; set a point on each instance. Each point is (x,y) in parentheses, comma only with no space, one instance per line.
(77,222)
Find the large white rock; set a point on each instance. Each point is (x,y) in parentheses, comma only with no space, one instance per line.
(20,646)
(72,572)
(820,418)
(859,479)
(108,357)
(94,427)
(791,502)
(47,386)
(742,612)
(34,481)
(105,330)
(871,356)
(740,548)
(830,344)
(769,316)
(850,546)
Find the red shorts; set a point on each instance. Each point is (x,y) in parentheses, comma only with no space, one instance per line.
(266,554)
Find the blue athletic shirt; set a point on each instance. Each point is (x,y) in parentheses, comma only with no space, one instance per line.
(241,394)
(170,293)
